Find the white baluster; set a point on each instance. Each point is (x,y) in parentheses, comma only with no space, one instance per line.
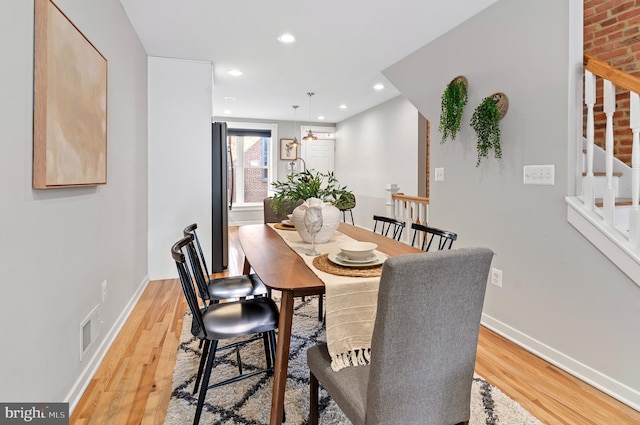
(609,109)
(414,207)
(588,182)
(391,189)
(634,214)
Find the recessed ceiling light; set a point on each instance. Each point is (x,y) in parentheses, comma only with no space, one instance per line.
(320,117)
(229,98)
(227,112)
(286,38)
(343,106)
(378,86)
(235,72)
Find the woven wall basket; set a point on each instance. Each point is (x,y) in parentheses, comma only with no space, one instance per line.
(502,103)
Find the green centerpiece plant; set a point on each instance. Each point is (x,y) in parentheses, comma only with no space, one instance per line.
(454,98)
(306,184)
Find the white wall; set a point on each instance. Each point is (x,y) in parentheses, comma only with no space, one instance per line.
(560,296)
(58,245)
(180,99)
(375,148)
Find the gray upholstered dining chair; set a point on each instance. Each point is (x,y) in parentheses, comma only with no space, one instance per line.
(423,347)
(271,216)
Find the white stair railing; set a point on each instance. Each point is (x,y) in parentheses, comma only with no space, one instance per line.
(410,209)
(634,215)
(588,182)
(626,222)
(612,225)
(609,108)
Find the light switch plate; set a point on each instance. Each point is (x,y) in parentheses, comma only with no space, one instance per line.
(539,174)
(439,174)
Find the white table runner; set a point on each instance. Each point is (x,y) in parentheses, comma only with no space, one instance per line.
(350,304)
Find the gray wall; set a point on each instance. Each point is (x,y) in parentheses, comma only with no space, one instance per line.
(57,246)
(370,149)
(560,297)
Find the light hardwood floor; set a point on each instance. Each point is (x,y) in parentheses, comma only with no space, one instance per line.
(133,383)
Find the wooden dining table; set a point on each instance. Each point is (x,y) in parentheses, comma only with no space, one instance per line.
(282,269)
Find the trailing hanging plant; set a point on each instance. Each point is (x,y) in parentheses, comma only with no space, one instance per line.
(452,103)
(486,123)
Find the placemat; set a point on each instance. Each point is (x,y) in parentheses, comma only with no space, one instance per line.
(322,263)
(281,226)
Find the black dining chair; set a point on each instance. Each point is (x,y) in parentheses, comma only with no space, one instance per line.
(388,224)
(256,318)
(214,290)
(425,236)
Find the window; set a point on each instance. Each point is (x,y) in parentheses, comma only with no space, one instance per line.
(250,147)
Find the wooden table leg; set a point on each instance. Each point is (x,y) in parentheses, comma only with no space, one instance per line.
(246,268)
(282,358)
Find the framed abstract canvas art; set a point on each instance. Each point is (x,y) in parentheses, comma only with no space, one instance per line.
(70,104)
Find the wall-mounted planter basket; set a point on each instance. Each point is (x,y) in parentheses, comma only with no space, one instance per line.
(486,124)
(452,103)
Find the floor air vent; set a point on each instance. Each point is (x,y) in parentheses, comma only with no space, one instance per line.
(89,331)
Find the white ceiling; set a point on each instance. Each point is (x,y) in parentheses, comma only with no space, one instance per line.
(340,50)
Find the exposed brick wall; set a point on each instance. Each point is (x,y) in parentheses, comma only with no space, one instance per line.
(255,184)
(612,34)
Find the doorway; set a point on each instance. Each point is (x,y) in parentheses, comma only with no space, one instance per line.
(319,155)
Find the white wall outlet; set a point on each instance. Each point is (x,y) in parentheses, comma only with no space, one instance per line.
(439,174)
(496,277)
(104,290)
(539,174)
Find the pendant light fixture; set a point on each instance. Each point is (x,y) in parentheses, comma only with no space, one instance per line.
(310,135)
(295,141)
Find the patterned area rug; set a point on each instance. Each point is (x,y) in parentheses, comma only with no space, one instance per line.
(248,401)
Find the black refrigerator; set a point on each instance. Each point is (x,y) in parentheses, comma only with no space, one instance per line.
(221,196)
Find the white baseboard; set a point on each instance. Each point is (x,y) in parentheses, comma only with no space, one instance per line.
(245,222)
(81,384)
(604,383)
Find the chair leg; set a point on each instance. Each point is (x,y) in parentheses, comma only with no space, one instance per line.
(267,351)
(238,360)
(203,360)
(313,399)
(205,381)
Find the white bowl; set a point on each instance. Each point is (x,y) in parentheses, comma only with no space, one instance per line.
(357,250)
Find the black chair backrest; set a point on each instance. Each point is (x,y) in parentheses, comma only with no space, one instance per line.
(191,230)
(187,281)
(445,238)
(386,224)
